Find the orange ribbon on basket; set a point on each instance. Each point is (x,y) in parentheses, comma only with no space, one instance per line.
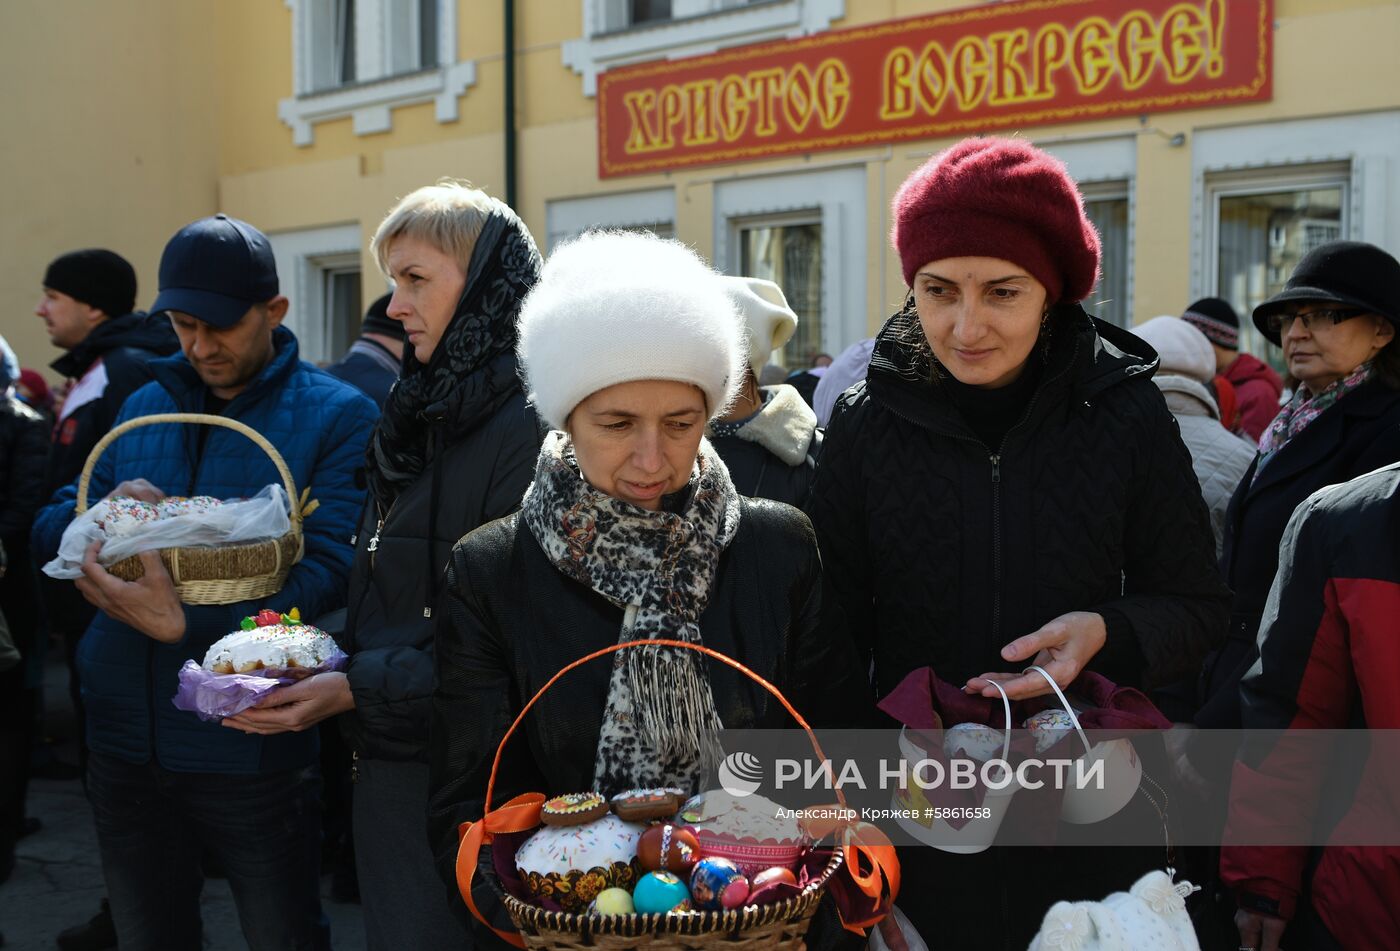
(871,863)
(521,814)
(864,842)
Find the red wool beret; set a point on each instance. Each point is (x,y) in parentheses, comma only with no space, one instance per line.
(998,198)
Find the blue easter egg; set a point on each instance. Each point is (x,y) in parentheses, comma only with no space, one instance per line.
(659,892)
(717,883)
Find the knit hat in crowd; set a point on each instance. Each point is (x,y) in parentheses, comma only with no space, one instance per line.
(1350,273)
(1217,320)
(97,277)
(1182,348)
(998,198)
(612,307)
(378,321)
(770,321)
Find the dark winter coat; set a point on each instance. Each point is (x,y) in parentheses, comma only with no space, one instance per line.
(111,363)
(368,367)
(487,440)
(1358,433)
(24,443)
(514,620)
(119,350)
(774,454)
(1329,659)
(943,550)
(320,426)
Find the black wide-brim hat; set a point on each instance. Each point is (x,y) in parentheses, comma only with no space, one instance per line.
(1352,273)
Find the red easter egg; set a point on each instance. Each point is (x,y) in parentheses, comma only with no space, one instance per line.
(770,875)
(668,847)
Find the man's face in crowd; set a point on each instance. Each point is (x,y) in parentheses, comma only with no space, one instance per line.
(67,319)
(228,359)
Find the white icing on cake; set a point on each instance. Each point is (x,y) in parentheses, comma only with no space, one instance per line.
(277,645)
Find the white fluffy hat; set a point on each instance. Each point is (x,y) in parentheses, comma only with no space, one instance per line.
(770,321)
(1184,349)
(612,307)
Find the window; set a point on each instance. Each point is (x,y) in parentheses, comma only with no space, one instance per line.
(1263,224)
(805,232)
(360,58)
(633,31)
(1107,208)
(319,270)
(788,252)
(342,312)
(647,11)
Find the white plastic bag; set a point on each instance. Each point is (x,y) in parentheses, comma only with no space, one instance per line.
(264,516)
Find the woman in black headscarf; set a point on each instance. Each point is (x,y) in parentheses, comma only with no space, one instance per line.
(455,448)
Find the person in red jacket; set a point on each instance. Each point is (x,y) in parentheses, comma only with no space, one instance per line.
(1257,386)
(1328,660)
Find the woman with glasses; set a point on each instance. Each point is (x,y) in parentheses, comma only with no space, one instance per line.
(1336,320)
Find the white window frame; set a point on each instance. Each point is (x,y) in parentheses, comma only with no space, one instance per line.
(1108,191)
(1268,181)
(1368,142)
(696,27)
(302,258)
(568,217)
(371,99)
(1265,181)
(838,197)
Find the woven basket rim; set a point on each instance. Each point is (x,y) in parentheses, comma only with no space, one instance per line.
(232,548)
(539,919)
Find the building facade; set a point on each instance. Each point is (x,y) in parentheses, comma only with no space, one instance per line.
(1215,141)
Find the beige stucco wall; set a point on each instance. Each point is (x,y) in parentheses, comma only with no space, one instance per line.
(110,139)
(139,115)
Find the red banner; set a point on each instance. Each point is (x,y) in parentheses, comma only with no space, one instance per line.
(995,66)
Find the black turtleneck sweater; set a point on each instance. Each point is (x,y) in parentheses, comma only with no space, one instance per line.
(991,413)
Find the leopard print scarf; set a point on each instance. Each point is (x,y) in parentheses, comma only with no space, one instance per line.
(660,726)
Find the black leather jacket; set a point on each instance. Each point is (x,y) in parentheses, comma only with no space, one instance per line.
(513,620)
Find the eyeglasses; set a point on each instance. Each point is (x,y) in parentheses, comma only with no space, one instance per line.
(1278,323)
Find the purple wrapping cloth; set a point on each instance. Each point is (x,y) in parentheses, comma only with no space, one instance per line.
(215,696)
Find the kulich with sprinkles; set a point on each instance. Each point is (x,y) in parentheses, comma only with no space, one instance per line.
(270,641)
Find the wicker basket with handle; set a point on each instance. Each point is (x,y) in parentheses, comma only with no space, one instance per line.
(228,573)
(779,925)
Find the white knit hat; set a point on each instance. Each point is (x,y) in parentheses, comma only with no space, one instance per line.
(1184,349)
(771,322)
(612,307)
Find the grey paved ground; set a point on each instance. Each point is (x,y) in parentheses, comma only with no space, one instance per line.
(58,879)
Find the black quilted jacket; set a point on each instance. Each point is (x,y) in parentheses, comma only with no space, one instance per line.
(514,620)
(942,550)
(487,440)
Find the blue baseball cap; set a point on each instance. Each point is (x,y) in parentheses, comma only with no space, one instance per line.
(215,269)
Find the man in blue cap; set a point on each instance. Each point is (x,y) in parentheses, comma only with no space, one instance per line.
(164,784)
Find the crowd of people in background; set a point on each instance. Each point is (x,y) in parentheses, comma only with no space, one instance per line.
(514,447)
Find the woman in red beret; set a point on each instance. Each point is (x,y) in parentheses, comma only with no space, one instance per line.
(1008,487)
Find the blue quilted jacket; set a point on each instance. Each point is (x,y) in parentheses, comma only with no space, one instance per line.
(320,426)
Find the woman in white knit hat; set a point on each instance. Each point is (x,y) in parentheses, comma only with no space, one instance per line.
(768,437)
(632,529)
